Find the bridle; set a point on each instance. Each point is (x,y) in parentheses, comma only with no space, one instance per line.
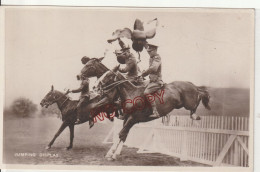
(55,100)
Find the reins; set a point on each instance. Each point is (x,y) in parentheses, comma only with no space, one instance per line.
(64,102)
(60,98)
(113,85)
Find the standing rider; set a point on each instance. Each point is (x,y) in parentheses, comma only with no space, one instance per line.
(154,72)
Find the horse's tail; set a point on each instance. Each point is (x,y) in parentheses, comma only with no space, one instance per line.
(204,96)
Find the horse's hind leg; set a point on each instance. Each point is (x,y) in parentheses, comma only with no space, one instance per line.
(62,127)
(71,136)
(194,116)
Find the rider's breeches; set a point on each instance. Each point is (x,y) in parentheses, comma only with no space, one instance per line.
(82,100)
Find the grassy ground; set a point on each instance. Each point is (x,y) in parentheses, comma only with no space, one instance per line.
(31,135)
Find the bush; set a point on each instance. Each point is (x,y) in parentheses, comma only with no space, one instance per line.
(23,107)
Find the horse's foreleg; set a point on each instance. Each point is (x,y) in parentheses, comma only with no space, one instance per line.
(128,124)
(118,149)
(62,127)
(112,150)
(71,136)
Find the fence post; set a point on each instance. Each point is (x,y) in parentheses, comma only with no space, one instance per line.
(184,147)
(236,153)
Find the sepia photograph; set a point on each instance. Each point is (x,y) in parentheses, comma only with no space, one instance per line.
(126,87)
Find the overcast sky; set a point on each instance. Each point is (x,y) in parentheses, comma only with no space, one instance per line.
(43,46)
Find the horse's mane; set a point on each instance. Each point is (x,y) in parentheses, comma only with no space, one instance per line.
(62,94)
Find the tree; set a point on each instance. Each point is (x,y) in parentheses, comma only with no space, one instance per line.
(23,107)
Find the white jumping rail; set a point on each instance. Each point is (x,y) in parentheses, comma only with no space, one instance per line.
(214,140)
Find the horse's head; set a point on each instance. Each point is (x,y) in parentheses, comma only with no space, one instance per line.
(93,68)
(52,97)
(107,79)
(110,79)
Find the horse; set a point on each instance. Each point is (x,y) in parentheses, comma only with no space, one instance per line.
(69,111)
(175,95)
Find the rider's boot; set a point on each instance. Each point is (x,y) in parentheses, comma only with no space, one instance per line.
(91,122)
(155,113)
(78,119)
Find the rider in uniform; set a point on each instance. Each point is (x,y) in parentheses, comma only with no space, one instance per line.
(154,72)
(125,57)
(85,94)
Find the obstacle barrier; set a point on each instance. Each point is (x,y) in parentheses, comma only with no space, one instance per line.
(214,140)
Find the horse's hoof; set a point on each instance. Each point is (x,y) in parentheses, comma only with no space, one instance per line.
(68,148)
(198,118)
(114,157)
(47,147)
(110,159)
(108,156)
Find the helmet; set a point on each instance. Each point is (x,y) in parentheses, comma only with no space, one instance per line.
(85,59)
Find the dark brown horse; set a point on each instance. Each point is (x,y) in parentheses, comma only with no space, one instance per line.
(68,111)
(171,96)
(175,95)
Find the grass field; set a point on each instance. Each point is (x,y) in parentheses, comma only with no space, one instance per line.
(31,135)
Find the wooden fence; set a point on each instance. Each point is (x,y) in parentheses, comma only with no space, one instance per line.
(214,140)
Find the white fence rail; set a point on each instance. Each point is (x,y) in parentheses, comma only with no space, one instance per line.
(214,140)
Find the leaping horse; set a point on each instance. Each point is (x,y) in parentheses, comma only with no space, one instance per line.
(176,95)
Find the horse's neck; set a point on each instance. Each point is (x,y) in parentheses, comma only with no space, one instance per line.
(101,70)
(62,102)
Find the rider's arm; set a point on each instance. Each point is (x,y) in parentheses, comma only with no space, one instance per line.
(154,66)
(77,90)
(82,85)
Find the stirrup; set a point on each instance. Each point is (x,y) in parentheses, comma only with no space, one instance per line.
(78,121)
(154,116)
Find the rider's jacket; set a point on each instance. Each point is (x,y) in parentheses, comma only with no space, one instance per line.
(131,67)
(155,68)
(84,88)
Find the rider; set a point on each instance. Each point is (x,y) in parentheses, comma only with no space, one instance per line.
(125,57)
(154,72)
(85,94)
(84,98)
